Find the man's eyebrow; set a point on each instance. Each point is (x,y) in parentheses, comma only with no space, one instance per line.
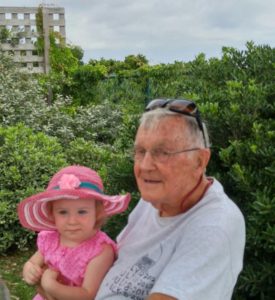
(158,145)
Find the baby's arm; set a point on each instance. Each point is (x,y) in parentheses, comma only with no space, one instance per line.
(33,268)
(95,272)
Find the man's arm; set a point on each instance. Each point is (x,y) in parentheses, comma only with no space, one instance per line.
(158,296)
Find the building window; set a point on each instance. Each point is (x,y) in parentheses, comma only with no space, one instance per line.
(33,28)
(56,16)
(22,41)
(32,16)
(20,16)
(34,39)
(8,16)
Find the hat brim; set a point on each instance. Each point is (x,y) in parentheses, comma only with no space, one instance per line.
(34,212)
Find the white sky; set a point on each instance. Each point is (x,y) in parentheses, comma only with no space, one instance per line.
(163,30)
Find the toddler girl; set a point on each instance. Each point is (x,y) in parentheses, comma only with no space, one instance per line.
(73,255)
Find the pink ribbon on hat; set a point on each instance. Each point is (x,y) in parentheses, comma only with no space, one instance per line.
(69,182)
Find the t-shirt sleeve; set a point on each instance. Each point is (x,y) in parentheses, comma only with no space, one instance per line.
(200,268)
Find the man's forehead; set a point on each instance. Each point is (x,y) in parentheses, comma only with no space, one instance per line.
(166,126)
(161,136)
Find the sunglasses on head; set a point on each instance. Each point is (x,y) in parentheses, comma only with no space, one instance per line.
(181,106)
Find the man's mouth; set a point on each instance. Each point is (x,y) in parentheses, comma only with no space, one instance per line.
(151,181)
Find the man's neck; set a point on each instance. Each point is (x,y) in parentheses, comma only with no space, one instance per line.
(189,200)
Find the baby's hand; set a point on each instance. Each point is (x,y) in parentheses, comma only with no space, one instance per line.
(48,278)
(43,294)
(32,273)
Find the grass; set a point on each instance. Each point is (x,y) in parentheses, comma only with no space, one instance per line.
(11,273)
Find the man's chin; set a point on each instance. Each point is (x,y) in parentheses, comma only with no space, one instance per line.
(154,202)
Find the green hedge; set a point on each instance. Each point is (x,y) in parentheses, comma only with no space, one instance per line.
(26,162)
(236,95)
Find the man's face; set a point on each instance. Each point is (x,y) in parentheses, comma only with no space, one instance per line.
(165,184)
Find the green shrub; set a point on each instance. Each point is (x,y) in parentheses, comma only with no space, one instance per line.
(27,162)
(23,100)
(250,180)
(236,96)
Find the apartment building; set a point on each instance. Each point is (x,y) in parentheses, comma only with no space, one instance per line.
(22,22)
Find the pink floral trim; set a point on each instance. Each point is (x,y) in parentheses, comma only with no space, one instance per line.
(68,181)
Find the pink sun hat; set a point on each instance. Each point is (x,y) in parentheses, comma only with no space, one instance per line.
(73,182)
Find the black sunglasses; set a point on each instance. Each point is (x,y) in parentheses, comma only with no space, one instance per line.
(181,106)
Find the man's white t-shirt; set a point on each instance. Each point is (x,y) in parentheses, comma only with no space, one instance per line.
(193,256)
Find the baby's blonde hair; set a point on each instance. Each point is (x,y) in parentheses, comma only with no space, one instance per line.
(101,216)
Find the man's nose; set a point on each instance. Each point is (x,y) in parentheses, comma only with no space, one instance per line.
(147,161)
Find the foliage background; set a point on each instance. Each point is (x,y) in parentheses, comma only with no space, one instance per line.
(93,118)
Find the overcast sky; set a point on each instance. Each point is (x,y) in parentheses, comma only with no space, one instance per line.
(163,30)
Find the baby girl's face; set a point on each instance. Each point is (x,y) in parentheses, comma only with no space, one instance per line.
(74,220)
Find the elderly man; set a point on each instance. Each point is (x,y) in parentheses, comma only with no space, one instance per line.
(185,238)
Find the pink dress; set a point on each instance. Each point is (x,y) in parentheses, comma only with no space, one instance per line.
(71,263)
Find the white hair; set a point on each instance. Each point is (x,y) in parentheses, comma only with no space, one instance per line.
(198,138)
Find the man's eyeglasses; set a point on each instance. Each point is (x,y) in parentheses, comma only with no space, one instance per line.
(158,155)
(181,106)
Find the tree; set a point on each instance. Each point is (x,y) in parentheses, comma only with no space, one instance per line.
(133,62)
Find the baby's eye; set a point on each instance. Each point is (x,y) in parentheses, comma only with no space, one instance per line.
(82,212)
(62,212)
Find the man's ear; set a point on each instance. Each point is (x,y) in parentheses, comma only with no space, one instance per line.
(203,158)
